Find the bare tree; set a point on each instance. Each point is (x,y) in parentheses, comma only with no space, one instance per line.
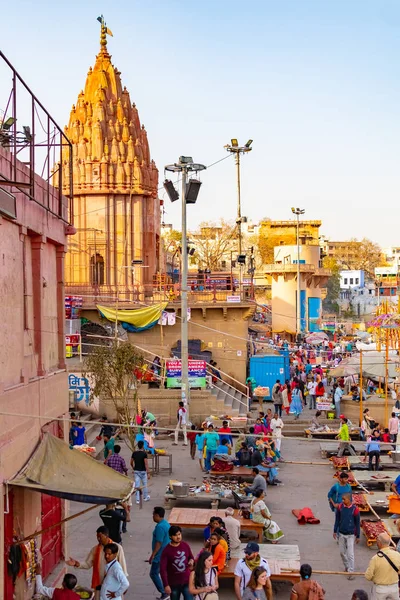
(112,370)
(213,243)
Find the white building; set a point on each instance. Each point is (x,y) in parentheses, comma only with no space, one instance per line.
(351,279)
(392,255)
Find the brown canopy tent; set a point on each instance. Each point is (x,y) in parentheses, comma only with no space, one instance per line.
(56,469)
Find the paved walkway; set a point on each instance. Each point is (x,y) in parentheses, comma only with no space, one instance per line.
(304,486)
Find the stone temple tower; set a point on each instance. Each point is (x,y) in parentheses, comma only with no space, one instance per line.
(116,206)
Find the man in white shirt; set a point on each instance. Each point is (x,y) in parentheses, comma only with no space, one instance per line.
(181,425)
(312,386)
(68,585)
(232,526)
(276,426)
(115,582)
(244,569)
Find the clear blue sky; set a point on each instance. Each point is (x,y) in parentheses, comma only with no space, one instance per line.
(315,83)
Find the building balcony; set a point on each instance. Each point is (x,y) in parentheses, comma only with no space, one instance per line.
(289,268)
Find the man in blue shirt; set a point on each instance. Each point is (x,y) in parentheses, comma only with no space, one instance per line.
(396,486)
(347,531)
(373,449)
(341,487)
(223,447)
(160,540)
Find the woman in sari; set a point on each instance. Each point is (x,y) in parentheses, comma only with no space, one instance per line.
(307,588)
(261,514)
(285,398)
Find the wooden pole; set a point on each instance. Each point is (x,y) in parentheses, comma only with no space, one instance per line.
(361,389)
(386,377)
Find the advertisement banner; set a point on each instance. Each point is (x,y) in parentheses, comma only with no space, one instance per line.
(197,373)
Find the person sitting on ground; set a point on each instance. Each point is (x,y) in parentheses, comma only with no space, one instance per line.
(223,447)
(224,541)
(307,587)
(65,592)
(251,438)
(259,483)
(259,427)
(244,456)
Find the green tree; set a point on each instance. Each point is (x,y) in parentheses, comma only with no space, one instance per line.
(331,302)
(112,371)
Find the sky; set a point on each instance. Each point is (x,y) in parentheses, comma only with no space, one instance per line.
(315,84)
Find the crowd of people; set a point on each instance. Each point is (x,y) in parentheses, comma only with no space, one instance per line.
(175,568)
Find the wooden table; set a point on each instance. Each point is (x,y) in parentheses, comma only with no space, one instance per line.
(385,460)
(199,518)
(390,525)
(367,478)
(331,448)
(284,561)
(168,457)
(329,435)
(242,472)
(375,500)
(200,497)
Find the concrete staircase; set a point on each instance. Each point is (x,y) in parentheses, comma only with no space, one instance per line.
(232,399)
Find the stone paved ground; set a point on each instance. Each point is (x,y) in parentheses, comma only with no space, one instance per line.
(304,486)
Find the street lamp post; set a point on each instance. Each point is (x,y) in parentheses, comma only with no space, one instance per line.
(237,150)
(298,212)
(184,166)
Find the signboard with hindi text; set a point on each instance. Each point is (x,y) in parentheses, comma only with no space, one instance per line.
(197,373)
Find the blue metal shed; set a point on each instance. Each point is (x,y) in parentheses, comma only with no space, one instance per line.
(267,368)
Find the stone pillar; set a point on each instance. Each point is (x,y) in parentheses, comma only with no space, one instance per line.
(60,254)
(138,243)
(38,244)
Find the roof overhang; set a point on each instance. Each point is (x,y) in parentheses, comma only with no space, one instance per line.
(56,469)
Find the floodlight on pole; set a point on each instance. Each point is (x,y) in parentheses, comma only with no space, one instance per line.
(189,195)
(298,212)
(237,150)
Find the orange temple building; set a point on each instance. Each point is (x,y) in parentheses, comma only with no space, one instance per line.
(116,205)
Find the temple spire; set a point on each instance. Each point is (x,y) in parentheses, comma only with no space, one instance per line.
(104,31)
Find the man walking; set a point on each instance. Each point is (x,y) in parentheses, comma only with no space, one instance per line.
(116,462)
(383,570)
(159,542)
(337,398)
(115,582)
(96,560)
(277,426)
(175,565)
(277,398)
(181,424)
(347,529)
(312,387)
(344,437)
(139,464)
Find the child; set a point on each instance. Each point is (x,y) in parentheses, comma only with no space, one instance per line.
(199,442)
(385,437)
(191,436)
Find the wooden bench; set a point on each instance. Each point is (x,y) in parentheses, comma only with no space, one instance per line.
(331,448)
(238,472)
(199,518)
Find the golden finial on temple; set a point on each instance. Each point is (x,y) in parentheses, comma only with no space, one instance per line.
(104,31)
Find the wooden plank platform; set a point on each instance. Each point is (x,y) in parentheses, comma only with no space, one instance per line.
(198,518)
(242,472)
(331,448)
(384,460)
(390,525)
(283,560)
(378,500)
(200,497)
(368,478)
(330,435)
